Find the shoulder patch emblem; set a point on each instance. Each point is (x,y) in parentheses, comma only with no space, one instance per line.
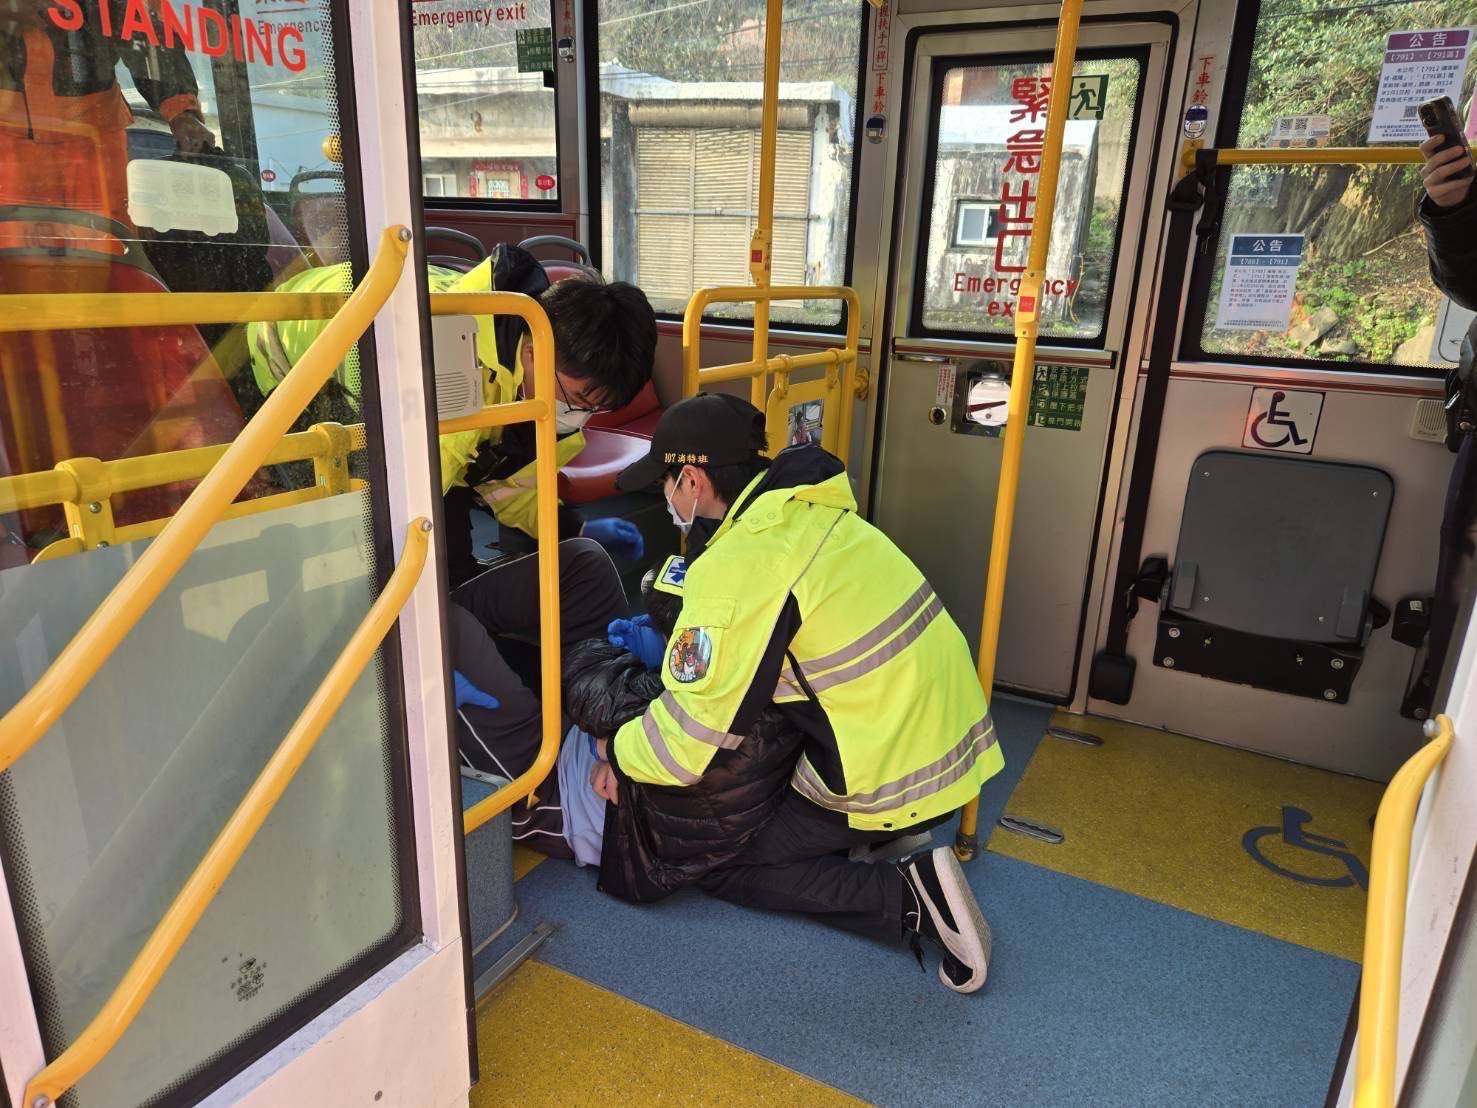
(691,655)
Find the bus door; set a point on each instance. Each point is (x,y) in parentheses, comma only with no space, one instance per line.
(328,967)
(970,150)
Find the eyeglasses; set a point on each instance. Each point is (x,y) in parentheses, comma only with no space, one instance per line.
(583,408)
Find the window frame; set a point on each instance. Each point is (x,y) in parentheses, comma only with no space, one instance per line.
(963,205)
(1198,305)
(590,68)
(942,67)
(512,204)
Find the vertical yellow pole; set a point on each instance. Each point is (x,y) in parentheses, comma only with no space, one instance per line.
(1027,320)
(761,245)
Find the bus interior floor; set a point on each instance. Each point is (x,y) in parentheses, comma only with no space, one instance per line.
(1106,987)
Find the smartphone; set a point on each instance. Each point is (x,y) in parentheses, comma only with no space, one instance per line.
(1439,118)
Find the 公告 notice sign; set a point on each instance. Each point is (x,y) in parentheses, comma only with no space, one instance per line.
(1261,276)
(1419,66)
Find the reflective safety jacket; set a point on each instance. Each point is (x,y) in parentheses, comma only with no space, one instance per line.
(58,72)
(497,461)
(798,601)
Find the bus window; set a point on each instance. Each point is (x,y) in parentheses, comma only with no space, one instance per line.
(486,110)
(679,141)
(987,122)
(1362,292)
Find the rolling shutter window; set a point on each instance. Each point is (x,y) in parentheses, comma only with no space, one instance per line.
(697,200)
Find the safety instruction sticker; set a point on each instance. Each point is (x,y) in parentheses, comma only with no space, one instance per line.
(1058,397)
(1419,66)
(535,49)
(1283,420)
(1300,132)
(1261,276)
(1089,97)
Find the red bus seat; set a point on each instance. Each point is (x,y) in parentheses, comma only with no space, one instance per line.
(105,393)
(591,475)
(639,417)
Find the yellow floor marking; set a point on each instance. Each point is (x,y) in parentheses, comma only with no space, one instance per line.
(524,860)
(546,1037)
(1164,817)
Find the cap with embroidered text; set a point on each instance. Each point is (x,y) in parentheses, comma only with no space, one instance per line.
(710,429)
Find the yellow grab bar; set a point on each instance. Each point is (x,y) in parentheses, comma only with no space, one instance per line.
(1027,324)
(1328,155)
(119,1010)
(326,445)
(1384,924)
(79,661)
(843,357)
(64,311)
(540,410)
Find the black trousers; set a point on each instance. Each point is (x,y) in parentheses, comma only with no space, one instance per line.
(498,612)
(798,863)
(1456,575)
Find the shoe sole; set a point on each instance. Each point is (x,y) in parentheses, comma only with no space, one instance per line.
(975,944)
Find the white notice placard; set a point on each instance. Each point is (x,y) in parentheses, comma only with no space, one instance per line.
(1419,66)
(1299,132)
(1261,275)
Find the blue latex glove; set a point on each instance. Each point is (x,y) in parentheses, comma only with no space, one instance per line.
(619,536)
(640,638)
(468,693)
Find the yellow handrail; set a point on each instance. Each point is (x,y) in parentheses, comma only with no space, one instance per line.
(540,410)
(840,384)
(1384,925)
(1027,323)
(79,661)
(1328,155)
(326,445)
(189,904)
(1193,154)
(62,311)
(761,244)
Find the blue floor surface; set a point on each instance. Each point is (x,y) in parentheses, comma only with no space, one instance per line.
(1095,997)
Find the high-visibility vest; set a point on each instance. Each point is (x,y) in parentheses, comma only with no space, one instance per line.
(801,579)
(276,347)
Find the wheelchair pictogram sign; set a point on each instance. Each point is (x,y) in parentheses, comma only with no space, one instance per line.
(1292,834)
(1279,419)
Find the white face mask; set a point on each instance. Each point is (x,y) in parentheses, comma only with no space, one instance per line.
(683,525)
(567,420)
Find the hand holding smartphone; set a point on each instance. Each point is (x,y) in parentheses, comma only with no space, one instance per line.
(1448,172)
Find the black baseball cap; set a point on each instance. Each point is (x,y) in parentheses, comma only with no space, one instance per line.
(710,429)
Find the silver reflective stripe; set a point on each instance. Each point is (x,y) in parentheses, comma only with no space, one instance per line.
(663,754)
(931,779)
(721,739)
(787,688)
(891,650)
(889,626)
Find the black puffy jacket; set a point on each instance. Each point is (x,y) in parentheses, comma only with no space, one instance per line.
(658,839)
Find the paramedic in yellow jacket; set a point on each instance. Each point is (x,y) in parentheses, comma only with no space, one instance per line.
(604,348)
(796,600)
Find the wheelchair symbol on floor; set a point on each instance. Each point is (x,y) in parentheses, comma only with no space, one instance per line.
(1276,417)
(1293,834)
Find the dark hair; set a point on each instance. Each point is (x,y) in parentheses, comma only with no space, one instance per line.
(662,607)
(604,334)
(730,481)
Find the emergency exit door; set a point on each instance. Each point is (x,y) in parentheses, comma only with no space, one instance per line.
(976,112)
